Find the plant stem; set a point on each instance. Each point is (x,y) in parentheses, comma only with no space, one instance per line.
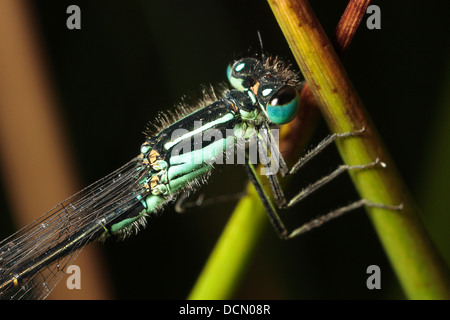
(419,268)
(225,266)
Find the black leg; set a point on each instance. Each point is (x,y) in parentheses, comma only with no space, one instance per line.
(282,201)
(271,211)
(182,202)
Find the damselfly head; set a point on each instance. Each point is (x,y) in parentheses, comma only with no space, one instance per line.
(271,83)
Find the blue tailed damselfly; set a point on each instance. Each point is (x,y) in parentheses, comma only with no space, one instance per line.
(265,94)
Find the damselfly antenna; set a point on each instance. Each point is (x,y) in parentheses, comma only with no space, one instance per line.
(261,45)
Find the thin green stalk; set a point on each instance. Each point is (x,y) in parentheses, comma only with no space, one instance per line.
(419,268)
(225,266)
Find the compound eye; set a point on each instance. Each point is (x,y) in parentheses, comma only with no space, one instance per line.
(240,73)
(283,105)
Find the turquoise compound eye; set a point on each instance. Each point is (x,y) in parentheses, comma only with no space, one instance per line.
(234,81)
(283,105)
(241,74)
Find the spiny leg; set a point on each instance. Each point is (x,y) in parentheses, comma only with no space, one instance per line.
(182,202)
(275,185)
(324,180)
(281,199)
(337,213)
(275,152)
(321,146)
(274,218)
(280,228)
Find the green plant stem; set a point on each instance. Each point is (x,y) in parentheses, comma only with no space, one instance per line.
(419,268)
(224,268)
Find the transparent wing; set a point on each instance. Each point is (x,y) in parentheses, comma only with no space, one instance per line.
(116,193)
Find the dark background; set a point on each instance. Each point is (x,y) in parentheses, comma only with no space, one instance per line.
(132,59)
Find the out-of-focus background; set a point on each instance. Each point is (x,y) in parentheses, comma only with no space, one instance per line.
(102,84)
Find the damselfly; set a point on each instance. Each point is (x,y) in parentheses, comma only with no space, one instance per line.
(174,159)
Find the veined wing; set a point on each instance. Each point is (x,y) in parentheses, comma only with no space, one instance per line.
(110,196)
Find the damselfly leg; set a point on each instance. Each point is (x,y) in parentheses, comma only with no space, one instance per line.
(185,202)
(283,202)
